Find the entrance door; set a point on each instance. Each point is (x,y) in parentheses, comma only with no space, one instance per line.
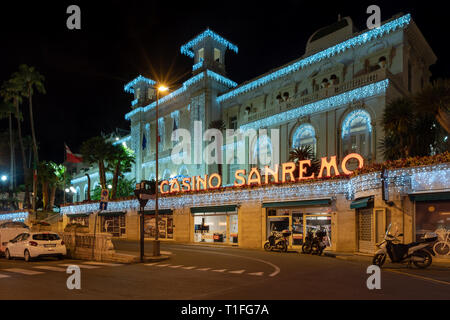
(366,231)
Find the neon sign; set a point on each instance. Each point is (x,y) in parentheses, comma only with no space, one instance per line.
(328,168)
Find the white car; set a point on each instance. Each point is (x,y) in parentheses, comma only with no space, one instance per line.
(31,245)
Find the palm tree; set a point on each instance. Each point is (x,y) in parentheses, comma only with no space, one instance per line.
(219,125)
(120,162)
(97,151)
(398,123)
(11,91)
(435,99)
(305,153)
(58,181)
(46,177)
(31,79)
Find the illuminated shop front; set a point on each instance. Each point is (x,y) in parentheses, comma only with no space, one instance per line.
(165,224)
(216,224)
(352,210)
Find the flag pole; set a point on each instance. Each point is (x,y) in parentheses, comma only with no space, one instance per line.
(65,165)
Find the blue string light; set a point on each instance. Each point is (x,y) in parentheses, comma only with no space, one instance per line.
(129,86)
(221,79)
(320,106)
(327,53)
(16,216)
(197,65)
(359,116)
(186,48)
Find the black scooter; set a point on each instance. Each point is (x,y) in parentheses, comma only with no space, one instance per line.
(318,243)
(277,241)
(307,245)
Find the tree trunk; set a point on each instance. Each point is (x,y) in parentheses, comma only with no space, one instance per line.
(44,196)
(115,180)
(102,174)
(89,187)
(36,157)
(52,197)
(26,201)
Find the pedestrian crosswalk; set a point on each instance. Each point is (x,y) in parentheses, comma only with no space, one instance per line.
(196,268)
(33,270)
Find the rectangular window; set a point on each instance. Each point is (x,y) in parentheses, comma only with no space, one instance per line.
(114,225)
(233,123)
(210,228)
(201,54)
(165,223)
(216,55)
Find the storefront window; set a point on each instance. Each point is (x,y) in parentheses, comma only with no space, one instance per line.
(84,221)
(165,223)
(216,227)
(234,228)
(322,223)
(114,225)
(434,217)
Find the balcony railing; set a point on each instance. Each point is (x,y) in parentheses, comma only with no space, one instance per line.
(299,100)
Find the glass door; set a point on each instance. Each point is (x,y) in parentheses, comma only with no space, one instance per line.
(297,228)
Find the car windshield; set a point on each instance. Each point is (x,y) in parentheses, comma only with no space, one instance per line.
(46,236)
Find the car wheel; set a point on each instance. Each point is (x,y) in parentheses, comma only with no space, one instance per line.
(27,256)
(7,255)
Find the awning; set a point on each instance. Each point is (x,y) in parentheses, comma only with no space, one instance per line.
(112,214)
(160,211)
(303,203)
(226,208)
(435,196)
(79,215)
(361,203)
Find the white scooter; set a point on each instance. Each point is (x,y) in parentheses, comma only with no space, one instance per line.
(415,252)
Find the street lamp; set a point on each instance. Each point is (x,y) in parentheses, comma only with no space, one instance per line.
(156,246)
(4,178)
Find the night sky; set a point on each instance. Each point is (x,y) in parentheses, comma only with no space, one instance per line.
(86,70)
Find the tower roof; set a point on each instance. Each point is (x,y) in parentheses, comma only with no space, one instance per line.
(186,48)
(129,87)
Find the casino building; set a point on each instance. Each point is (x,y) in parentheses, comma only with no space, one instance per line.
(331,98)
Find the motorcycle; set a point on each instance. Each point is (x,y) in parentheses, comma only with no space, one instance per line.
(417,253)
(307,245)
(278,241)
(318,242)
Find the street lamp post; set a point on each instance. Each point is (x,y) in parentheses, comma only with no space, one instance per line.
(156,244)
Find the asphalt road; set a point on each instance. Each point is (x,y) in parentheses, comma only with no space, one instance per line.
(211,273)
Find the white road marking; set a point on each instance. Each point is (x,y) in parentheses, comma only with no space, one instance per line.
(23,271)
(221,270)
(3,276)
(237,271)
(176,266)
(203,269)
(256,274)
(82,266)
(418,276)
(163,265)
(151,264)
(166,252)
(95,263)
(49,268)
(273,274)
(190,268)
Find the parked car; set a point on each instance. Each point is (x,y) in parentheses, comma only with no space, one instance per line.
(8,231)
(31,245)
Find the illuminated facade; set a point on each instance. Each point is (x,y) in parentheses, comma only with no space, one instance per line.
(332,99)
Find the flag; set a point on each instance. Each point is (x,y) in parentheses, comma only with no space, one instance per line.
(70,157)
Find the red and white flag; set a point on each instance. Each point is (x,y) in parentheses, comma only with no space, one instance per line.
(71,157)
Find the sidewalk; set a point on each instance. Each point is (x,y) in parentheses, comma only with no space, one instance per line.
(367,258)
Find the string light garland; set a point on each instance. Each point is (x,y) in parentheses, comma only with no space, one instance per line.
(186,48)
(15,216)
(429,176)
(129,87)
(359,40)
(183,89)
(321,106)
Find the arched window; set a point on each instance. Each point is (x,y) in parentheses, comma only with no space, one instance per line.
(356,133)
(305,135)
(85,192)
(77,195)
(262,151)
